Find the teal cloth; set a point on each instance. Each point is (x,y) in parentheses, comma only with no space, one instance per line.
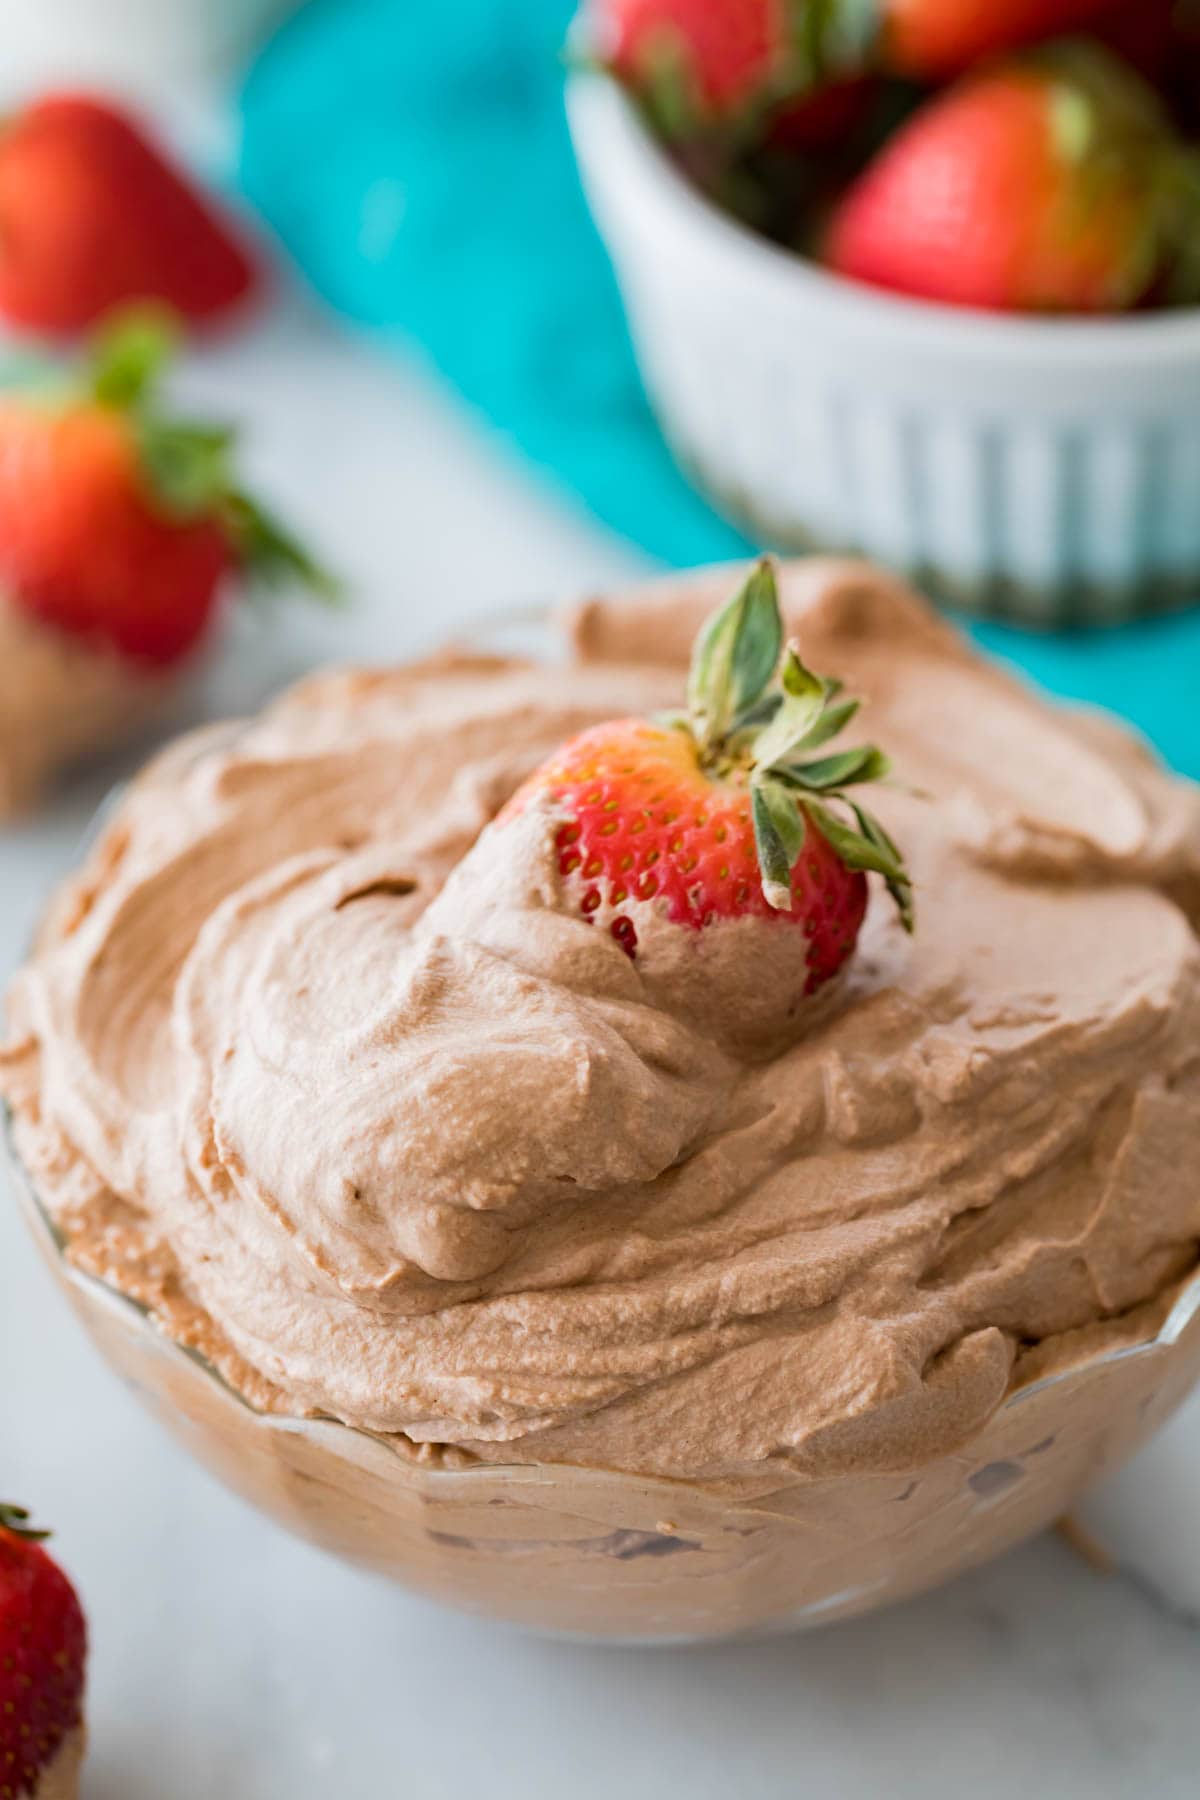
(415,162)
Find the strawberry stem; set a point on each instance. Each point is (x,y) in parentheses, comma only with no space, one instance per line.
(15,1521)
(735,657)
(130,353)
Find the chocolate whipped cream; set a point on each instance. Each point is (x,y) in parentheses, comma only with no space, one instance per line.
(311,1059)
(59,700)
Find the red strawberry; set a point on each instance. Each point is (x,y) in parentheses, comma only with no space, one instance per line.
(932,39)
(43,1648)
(727,812)
(696,63)
(695,59)
(92,216)
(118,524)
(1049,183)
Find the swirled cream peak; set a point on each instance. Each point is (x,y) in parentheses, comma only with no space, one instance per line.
(310,1057)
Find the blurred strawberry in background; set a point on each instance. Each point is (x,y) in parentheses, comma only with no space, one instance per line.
(121,525)
(1049,183)
(697,59)
(93,215)
(124,531)
(692,60)
(933,39)
(896,137)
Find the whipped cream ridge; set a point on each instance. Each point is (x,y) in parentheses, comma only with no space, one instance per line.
(311,1060)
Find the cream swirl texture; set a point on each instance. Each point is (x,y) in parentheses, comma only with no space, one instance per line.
(311,1058)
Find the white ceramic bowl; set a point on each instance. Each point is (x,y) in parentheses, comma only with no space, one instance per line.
(1046,470)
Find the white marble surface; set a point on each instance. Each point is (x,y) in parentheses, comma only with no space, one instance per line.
(230,1661)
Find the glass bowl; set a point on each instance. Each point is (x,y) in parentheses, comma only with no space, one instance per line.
(602,1555)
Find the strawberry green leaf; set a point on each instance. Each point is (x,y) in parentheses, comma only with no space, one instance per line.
(805,719)
(270,555)
(735,657)
(666,85)
(1096,95)
(1073,122)
(831,723)
(779,837)
(836,37)
(809,22)
(750,722)
(15,1520)
(844,769)
(856,850)
(187,466)
(899,884)
(797,681)
(787,730)
(1180,227)
(130,353)
(189,471)
(757,640)
(867,849)
(872,830)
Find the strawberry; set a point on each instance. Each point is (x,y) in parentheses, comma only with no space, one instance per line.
(930,40)
(744,70)
(700,60)
(730,811)
(119,525)
(93,216)
(43,1648)
(1052,182)
(697,64)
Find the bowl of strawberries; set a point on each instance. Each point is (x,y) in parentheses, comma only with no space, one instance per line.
(919,278)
